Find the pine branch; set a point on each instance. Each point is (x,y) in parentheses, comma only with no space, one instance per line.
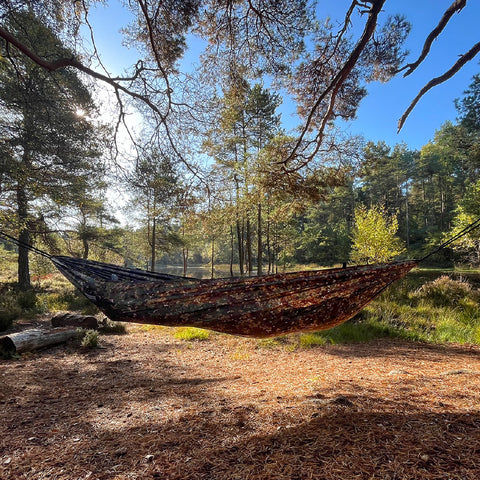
(455,7)
(438,80)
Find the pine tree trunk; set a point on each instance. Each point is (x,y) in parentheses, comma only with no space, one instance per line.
(259,242)
(407,219)
(154,241)
(86,248)
(24,238)
(231,250)
(240,247)
(212,273)
(249,247)
(34,339)
(185,260)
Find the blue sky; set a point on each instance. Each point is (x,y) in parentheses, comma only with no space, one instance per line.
(380,110)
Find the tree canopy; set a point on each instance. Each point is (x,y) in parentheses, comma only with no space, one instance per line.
(325,66)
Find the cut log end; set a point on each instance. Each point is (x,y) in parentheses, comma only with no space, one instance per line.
(7,347)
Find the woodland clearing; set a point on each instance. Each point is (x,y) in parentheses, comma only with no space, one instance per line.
(147,405)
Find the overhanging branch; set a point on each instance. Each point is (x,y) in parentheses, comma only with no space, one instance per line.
(342,75)
(455,7)
(438,80)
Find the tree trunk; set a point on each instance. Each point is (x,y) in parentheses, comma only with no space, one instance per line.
(259,242)
(407,219)
(212,273)
(231,250)
(240,247)
(185,260)
(249,247)
(154,241)
(24,239)
(34,339)
(67,319)
(86,248)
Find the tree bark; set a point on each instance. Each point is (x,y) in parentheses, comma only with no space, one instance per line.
(249,247)
(154,241)
(213,259)
(259,242)
(24,239)
(231,250)
(240,246)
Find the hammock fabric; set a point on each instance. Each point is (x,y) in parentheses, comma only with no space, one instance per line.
(263,306)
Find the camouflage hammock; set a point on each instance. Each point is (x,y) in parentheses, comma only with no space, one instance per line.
(263,306)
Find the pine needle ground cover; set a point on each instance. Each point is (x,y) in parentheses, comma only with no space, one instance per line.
(150,406)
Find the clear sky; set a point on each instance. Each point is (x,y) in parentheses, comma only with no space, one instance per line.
(385,103)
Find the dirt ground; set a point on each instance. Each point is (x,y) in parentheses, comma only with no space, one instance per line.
(148,406)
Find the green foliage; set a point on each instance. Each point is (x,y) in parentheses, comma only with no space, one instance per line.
(88,338)
(191,334)
(374,239)
(349,332)
(15,303)
(66,300)
(468,107)
(52,154)
(8,314)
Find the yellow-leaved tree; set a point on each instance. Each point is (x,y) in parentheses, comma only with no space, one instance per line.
(374,236)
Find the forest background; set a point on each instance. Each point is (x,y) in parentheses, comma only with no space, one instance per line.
(210,173)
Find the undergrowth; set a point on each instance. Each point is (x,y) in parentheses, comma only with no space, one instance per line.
(52,294)
(444,309)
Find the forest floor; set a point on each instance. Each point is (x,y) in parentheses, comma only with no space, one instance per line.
(149,406)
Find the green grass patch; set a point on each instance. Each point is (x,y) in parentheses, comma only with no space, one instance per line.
(191,334)
(151,328)
(349,332)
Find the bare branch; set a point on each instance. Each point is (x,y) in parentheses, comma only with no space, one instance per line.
(438,80)
(72,62)
(455,7)
(342,75)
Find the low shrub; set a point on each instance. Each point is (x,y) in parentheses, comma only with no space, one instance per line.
(7,318)
(87,338)
(443,291)
(15,303)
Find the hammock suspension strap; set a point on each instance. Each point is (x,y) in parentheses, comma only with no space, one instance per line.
(23,244)
(461,233)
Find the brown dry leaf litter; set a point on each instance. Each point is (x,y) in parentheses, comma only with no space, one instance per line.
(147,406)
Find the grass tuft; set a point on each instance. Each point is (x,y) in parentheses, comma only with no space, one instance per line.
(87,338)
(191,334)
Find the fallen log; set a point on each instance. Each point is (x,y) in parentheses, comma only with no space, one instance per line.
(34,339)
(67,319)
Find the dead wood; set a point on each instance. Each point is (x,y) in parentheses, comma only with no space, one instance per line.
(67,319)
(34,339)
